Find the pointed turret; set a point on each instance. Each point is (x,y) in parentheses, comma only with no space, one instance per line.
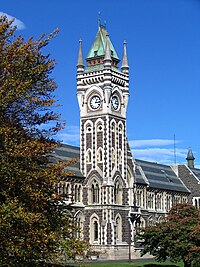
(107,58)
(190,158)
(80,64)
(125,66)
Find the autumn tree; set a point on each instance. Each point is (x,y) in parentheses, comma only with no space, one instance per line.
(30,218)
(177,238)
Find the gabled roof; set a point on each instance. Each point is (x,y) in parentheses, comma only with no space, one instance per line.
(67,153)
(99,45)
(191,178)
(158,176)
(196,173)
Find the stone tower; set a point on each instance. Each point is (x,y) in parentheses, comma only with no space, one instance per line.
(105,159)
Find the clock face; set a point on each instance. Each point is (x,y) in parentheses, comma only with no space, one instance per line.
(115,102)
(95,102)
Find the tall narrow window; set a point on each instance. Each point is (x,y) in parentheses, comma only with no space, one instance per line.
(77,193)
(99,155)
(159,202)
(96,231)
(168,202)
(117,193)
(89,156)
(118,229)
(95,192)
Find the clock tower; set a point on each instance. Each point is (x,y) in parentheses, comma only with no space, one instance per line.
(103,92)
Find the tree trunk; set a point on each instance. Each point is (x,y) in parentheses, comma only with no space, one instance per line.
(187,263)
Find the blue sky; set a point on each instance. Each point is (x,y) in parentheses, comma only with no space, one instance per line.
(163,42)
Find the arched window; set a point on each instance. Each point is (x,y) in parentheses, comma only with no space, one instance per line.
(117,193)
(118,228)
(150,200)
(94,230)
(140,197)
(77,193)
(168,202)
(100,155)
(159,202)
(95,192)
(89,156)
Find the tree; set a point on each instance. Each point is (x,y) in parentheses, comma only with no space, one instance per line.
(31,220)
(177,238)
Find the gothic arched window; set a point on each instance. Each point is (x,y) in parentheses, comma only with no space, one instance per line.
(95,192)
(94,230)
(117,193)
(100,155)
(89,156)
(118,228)
(77,193)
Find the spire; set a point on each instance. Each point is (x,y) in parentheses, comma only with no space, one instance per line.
(190,158)
(97,54)
(80,64)
(125,66)
(107,58)
(107,49)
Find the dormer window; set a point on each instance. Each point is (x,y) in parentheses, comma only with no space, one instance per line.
(95,53)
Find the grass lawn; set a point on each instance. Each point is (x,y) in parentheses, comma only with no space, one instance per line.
(126,264)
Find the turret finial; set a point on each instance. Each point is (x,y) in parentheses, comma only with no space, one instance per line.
(80,64)
(107,49)
(125,66)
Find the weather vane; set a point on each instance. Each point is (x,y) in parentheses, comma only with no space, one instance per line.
(99,21)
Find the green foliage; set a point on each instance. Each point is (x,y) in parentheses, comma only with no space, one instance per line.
(31,221)
(178,237)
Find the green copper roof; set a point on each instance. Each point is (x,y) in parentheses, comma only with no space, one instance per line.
(99,44)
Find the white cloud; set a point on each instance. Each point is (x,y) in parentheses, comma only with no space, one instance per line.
(149,150)
(70,135)
(20,25)
(151,142)
(161,155)
(152,150)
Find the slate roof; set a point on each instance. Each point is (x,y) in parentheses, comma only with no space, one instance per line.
(191,178)
(196,173)
(158,176)
(66,153)
(154,175)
